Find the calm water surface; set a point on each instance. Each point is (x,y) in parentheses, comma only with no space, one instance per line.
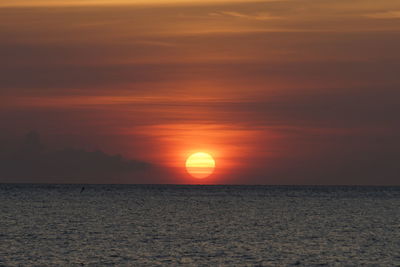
(139,225)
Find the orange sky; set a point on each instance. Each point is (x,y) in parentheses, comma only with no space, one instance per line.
(278,91)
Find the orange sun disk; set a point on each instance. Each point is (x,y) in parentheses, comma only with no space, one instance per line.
(200,165)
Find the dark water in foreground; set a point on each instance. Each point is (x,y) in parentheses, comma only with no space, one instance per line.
(138,225)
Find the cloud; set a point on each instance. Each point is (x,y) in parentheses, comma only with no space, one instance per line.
(45,3)
(254,16)
(32,160)
(395,14)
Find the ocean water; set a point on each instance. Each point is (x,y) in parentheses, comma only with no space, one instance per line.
(165,225)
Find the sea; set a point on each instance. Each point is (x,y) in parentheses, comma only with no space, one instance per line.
(184,225)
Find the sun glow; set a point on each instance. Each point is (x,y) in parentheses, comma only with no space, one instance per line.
(200,165)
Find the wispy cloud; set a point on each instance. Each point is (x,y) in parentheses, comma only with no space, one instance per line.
(22,3)
(252,16)
(394,14)
(155,43)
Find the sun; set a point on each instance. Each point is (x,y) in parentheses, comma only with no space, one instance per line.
(200,165)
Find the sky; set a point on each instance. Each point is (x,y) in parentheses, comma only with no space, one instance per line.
(278,92)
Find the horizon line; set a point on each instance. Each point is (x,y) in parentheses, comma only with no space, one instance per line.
(168,184)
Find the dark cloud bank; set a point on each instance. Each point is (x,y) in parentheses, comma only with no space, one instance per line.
(31,160)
